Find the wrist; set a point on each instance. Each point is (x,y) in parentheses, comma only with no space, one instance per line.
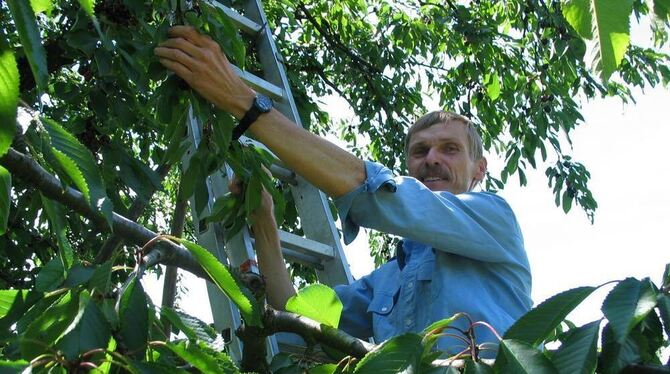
(242,103)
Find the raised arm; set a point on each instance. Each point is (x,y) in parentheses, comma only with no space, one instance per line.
(199,61)
(268,252)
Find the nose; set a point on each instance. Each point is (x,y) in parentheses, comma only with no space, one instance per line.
(432,157)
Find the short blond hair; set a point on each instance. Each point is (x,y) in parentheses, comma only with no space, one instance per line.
(475,148)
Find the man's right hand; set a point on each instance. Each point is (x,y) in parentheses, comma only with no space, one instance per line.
(198,60)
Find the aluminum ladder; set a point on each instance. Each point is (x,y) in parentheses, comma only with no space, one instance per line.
(320,248)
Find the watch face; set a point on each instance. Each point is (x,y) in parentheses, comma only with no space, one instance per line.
(263,103)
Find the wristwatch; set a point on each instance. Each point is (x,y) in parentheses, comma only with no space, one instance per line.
(262,104)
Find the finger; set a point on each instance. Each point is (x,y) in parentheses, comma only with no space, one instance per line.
(178,68)
(188,32)
(176,55)
(183,45)
(235,186)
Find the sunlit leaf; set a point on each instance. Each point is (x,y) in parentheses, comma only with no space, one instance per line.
(41,6)
(578,15)
(88,6)
(627,304)
(493,86)
(540,322)
(611,30)
(9,94)
(29,34)
(204,360)
(396,355)
(49,325)
(249,307)
(318,302)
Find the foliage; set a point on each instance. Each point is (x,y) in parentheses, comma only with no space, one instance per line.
(96,110)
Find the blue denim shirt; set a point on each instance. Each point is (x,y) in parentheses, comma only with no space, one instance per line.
(460,253)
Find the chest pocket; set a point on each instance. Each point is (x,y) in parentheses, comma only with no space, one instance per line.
(382,309)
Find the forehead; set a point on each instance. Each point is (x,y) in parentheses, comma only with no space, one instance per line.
(440,132)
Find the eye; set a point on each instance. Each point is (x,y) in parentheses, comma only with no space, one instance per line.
(418,151)
(451,148)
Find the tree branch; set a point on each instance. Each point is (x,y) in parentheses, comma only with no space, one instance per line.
(27,169)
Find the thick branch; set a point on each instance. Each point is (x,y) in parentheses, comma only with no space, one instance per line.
(25,168)
(113,242)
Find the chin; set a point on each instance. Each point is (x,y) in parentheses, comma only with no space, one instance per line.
(438,186)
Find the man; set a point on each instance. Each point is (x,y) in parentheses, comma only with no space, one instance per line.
(463,251)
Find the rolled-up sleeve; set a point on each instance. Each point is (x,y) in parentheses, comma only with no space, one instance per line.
(477,225)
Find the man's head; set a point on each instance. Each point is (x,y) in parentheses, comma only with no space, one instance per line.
(444,152)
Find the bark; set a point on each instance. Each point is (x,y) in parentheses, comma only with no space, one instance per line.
(25,168)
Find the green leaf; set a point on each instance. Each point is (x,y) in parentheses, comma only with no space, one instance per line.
(8,367)
(662,9)
(323,369)
(51,276)
(48,326)
(399,354)
(664,311)
(5,198)
(101,277)
(519,357)
(13,303)
(472,367)
(9,94)
(578,15)
(627,304)
(78,275)
(88,6)
(617,355)
(249,307)
(81,159)
(579,352)
(493,86)
(252,195)
(134,318)
(536,325)
(29,34)
(41,6)
(55,214)
(205,360)
(318,302)
(612,34)
(89,330)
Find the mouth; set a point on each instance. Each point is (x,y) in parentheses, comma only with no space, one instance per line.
(433,179)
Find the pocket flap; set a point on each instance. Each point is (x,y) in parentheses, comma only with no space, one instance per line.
(382,303)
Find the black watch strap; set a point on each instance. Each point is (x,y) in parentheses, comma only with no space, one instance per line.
(261,104)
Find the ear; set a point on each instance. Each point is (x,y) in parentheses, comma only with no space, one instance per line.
(481,166)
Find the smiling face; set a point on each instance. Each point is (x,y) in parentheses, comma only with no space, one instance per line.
(439,157)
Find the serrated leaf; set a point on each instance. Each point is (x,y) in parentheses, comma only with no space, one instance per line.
(249,307)
(536,325)
(615,355)
(399,354)
(611,30)
(664,311)
(9,94)
(134,319)
(519,357)
(627,304)
(88,6)
(51,276)
(579,352)
(89,330)
(578,15)
(78,275)
(13,303)
(48,326)
(202,359)
(5,198)
(41,6)
(55,214)
(318,302)
(79,163)
(29,34)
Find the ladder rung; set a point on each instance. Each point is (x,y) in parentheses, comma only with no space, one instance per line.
(294,256)
(259,84)
(245,24)
(304,245)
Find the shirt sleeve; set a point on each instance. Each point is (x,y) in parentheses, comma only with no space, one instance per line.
(478,225)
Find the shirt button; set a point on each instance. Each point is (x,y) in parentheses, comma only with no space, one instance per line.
(410,285)
(408,322)
(384,309)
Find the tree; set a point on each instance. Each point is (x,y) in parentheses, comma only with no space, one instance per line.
(92,133)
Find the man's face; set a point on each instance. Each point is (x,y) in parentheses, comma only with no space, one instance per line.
(439,157)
